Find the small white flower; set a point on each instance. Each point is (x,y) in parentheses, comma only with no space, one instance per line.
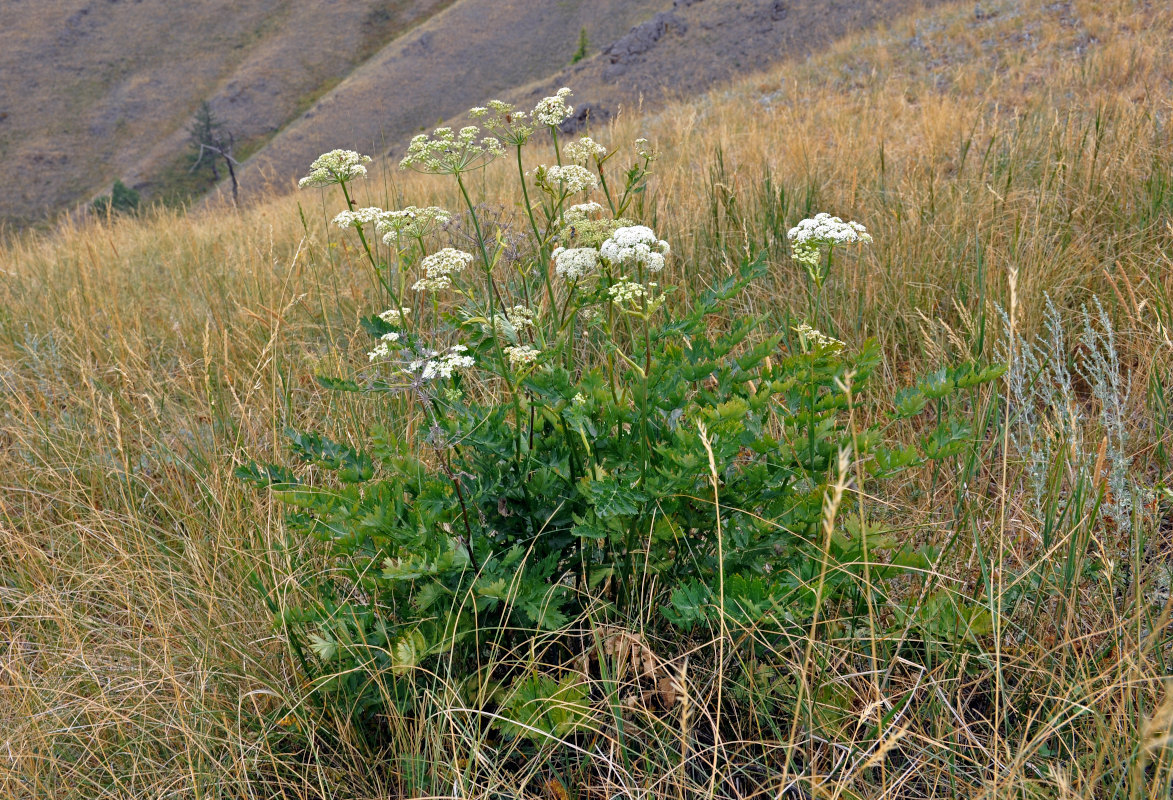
(553,110)
(635,246)
(644,148)
(521,356)
(576,262)
(337,166)
(585,149)
(579,399)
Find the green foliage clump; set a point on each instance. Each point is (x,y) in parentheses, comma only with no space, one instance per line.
(121,200)
(584,44)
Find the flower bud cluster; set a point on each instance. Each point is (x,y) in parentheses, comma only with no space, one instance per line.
(624,292)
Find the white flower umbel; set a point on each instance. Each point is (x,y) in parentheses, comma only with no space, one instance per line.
(411,222)
(625,292)
(439,268)
(521,356)
(383,348)
(635,246)
(442,365)
(585,149)
(394,316)
(645,150)
(577,213)
(358,217)
(446,152)
(825,230)
(813,339)
(520,317)
(576,262)
(821,233)
(554,110)
(568,179)
(505,122)
(337,166)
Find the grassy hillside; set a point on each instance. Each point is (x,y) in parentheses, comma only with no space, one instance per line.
(639,53)
(1000,156)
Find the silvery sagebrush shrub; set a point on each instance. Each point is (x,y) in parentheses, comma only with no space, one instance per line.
(567,398)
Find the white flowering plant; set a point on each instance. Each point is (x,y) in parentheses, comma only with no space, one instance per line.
(577,416)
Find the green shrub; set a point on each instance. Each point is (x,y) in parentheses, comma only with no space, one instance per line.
(121,200)
(583,433)
(584,44)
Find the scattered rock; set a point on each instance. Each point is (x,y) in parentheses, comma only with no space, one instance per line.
(643,37)
(585,115)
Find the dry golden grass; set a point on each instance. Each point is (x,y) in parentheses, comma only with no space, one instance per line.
(141,360)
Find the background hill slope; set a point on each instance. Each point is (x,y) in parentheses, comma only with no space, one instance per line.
(95,90)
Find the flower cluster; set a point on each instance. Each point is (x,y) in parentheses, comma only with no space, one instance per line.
(817,340)
(439,268)
(584,150)
(512,322)
(394,316)
(337,166)
(411,222)
(809,238)
(442,365)
(359,217)
(553,111)
(446,152)
(645,150)
(624,291)
(581,211)
(825,230)
(521,356)
(520,317)
(635,246)
(507,123)
(568,179)
(576,262)
(383,348)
